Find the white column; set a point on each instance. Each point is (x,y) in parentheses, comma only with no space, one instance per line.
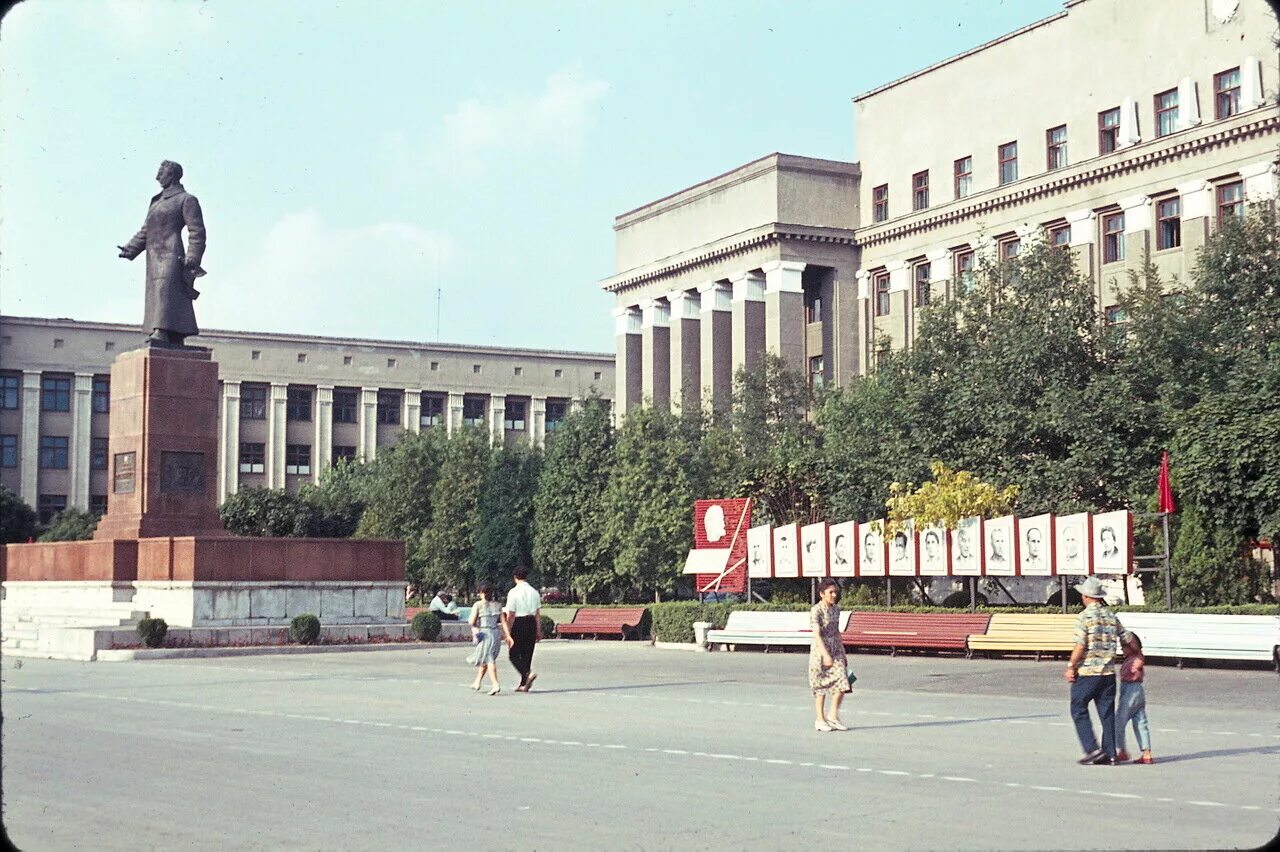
(276,435)
(453,412)
(1137,213)
(1129,134)
(29,446)
(497,413)
(537,422)
(939,265)
(628,373)
(228,441)
(1197,199)
(784,321)
(715,345)
(1083,231)
(655,352)
(1259,181)
(411,411)
(863,277)
(685,364)
(1188,105)
(899,276)
(1251,96)
(322,444)
(747,312)
(78,461)
(367,448)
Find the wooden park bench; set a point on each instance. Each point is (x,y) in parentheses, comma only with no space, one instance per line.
(766,628)
(1037,634)
(1183,636)
(613,621)
(942,631)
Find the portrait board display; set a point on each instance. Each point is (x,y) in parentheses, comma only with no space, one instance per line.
(933,548)
(786,551)
(871,549)
(1071,543)
(842,549)
(721,525)
(1035,546)
(999,546)
(902,551)
(966,547)
(1112,539)
(760,552)
(813,550)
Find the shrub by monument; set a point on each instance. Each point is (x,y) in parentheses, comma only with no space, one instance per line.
(426,626)
(151,631)
(548,627)
(304,629)
(17,519)
(71,525)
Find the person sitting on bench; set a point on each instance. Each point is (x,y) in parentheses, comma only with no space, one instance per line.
(444,607)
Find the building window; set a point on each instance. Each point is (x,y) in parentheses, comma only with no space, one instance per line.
(964,269)
(1059,236)
(598,375)
(346,405)
(1008,157)
(302,357)
(8,450)
(922,273)
(50,506)
(513,416)
(298,404)
(557,410)
(98,453)
(1115,314)
(1226,93)
(519,371)
(435,366)
(109,346)
(391,363)
(473,410)
(53,452)
(432,412)
(255,354)
(880,203)
(1108,130)
(1168,223)
(58,343)
(346,360)
(101,395)
(815,372)
(55,393)
(342,452)
(389,407)
(253,402)
(1010,248)
(813,305)
(297,459)
(882,357)
(1230,202)
(964,176)
(880,286)
(559,374)
(475,368)
(253,457)
(1166,112)
(1056,146)
(1113,238)
(98,504)
(920,190)
(9,389)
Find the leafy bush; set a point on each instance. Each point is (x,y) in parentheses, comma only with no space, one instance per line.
(151,631)
(960,598)
(18,521)
(426,626)
(71,525)
(304,629)
(548,627)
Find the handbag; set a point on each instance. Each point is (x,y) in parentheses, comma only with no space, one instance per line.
(853,678)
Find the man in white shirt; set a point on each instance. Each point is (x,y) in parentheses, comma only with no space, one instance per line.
(444,607)
(523,612)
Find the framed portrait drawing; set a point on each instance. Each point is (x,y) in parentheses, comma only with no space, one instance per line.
(786,551)
(966,548)
(933,550)
(1112,540)
(1071,543)
(760,552)
(902,551)
(813,550)
(999,546)
(871,549)
(1035,546)
(842,549)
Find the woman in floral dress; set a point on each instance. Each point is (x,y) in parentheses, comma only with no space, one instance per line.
(827,675)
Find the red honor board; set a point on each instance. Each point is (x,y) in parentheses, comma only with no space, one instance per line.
(720,525)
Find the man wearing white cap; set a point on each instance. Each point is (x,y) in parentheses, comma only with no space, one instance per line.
(1091,672)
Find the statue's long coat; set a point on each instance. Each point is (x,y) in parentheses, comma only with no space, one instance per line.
(170,268)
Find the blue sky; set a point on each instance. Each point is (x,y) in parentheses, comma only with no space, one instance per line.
(351,158)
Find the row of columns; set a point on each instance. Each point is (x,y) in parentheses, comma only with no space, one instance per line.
(682,349)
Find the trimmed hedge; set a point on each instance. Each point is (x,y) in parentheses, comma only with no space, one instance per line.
(151,631)
(304,629)
(426,626)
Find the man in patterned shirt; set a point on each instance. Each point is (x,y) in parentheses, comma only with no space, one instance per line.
(1091,672)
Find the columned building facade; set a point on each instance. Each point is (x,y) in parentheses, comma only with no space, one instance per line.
(290,405)
(1115,129)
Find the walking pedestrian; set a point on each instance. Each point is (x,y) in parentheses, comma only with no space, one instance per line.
(1091,673)
(1133,703)
(523,611)
(827,673)
(490,632)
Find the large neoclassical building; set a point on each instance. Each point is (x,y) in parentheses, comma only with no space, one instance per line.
(290,404)
(1113,128)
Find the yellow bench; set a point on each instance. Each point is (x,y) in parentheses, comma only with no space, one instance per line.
(1037,634)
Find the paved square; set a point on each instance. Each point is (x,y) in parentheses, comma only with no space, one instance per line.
(622,746)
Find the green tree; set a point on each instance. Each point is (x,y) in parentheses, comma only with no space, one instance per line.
(504,538)
(336,503)
(1210,566)
(71,525)
(569,515)
(446,544)
(257,512)
(18,521)
(946,498)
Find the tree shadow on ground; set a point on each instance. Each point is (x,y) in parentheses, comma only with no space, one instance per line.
(952,722)
(1220,752)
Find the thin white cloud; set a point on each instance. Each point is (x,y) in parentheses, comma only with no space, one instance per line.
(309,276)
(553,120)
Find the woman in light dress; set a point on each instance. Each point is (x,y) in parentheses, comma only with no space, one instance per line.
(827,673)
(489,630)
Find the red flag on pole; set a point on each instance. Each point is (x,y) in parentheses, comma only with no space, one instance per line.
(1166,491)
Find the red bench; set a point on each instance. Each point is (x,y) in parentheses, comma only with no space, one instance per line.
(602,622)
(915,630)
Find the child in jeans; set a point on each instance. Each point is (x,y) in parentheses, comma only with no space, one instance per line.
(1133,704)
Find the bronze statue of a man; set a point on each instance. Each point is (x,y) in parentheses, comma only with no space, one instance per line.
(171,269)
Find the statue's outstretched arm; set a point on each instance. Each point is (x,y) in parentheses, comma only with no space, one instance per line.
(134,247)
